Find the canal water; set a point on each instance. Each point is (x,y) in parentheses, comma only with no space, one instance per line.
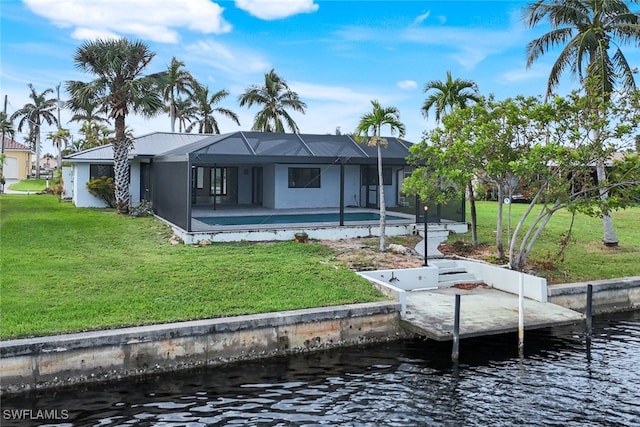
(563,379)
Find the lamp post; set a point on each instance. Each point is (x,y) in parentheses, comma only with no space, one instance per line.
(426,252)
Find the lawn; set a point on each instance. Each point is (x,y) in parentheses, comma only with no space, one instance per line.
(34,185)
(66,269)
(585,257)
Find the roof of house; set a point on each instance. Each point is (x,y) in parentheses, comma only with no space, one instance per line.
(210,147)
(11,144)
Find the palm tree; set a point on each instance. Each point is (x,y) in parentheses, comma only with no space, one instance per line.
(275,97)
(6,125)
(450,94)
(87,113)
(120,88)
(59,138)
(590,33)
(369,130)
(185,112)
(34,114)
(178,81)
(205,109)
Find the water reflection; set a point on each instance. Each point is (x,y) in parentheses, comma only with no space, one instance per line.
(558,381)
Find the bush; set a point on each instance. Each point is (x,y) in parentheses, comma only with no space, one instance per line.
(103,188)
(143,209)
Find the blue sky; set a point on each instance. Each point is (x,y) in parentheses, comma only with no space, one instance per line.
(337,55)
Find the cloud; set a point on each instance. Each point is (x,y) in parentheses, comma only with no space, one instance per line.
(407,84)
(420,19)
(234,61)
(155,20)
(276,9)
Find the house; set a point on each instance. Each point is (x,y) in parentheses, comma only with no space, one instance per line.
(17,161)
(187,177)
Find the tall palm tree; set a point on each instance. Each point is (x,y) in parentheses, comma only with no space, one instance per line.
(178,81)
(34,114)
(91,112)
(205,110)
(447,95)
(120,88)
(276,97)
(590,33)
(185,112)
(369,130)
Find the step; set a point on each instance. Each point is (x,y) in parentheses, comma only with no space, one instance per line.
(450,283)
(451,270)
(457,277)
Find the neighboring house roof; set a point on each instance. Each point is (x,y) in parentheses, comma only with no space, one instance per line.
(11,144)
(209,147)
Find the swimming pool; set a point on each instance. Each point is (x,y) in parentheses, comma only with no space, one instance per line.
(295,218)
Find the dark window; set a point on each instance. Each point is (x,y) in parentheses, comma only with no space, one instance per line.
(304,177)
(219,181)
(370,175)
(97,171)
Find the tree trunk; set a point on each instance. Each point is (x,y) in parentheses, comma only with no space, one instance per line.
(381,201)
(499,245)
(37,131)
(474,214)
(121,166)
(610,238)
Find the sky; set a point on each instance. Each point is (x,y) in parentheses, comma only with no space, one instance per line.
(337,55)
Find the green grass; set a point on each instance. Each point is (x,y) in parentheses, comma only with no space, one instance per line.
(585,258)
(65,269)
(29,185)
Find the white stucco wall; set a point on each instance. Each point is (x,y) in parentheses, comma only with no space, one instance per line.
(67,182)
(134,184)
(81,196)
(268,194)
(327,196)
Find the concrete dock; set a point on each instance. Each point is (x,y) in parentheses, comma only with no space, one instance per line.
(483,311)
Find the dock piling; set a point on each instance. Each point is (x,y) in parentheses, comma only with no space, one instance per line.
(589,308)
(521,314)
(455,352)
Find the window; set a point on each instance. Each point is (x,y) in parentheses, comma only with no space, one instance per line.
(304,177)
(219,178)
(97,171)
(370,175)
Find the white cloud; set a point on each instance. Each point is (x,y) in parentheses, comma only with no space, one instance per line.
(155,20)
(420,19)
(407,84)
(234,61)
(276,9)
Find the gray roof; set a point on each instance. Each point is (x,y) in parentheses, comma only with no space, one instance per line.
(258,145)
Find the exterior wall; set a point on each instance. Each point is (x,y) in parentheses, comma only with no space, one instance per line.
(134,184)
(244,184)
(327,196)
(81,196)
(269,180)
(67,182)
(17,164)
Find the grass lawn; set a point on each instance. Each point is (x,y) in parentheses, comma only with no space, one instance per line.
(34,185)
(585,258)
(66,269)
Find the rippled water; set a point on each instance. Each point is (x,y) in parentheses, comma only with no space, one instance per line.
(560,381)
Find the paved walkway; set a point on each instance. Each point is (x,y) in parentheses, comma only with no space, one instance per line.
(483,311)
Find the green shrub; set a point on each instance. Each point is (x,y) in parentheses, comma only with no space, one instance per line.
(103,188)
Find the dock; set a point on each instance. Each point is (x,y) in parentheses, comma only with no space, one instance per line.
(483,311)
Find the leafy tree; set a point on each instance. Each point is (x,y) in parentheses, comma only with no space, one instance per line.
(178,81)
(204,110)
(120,88)
(447,95)
(544,146)
(34,114)
(590,33)
(275,97)
(369,130)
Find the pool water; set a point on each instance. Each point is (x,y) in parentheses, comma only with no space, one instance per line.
(295,218)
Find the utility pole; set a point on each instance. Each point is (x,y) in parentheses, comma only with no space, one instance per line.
(2,152)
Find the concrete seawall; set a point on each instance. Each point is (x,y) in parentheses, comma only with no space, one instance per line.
(46,362)
(608,295)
